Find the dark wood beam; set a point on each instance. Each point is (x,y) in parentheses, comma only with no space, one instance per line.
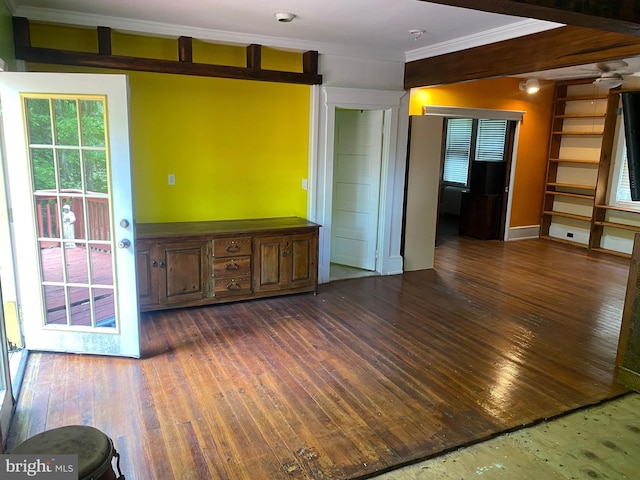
(310,62)
(184,66)
(561,47)
(622,16)
(185,49)
(104,40)
(254,56)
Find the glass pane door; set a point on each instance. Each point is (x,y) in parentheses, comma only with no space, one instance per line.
(68,155)
(69,177)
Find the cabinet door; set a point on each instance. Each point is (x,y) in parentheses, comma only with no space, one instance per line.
(285,262)
(183,268)
(146,278)
(268,270)
(302,253)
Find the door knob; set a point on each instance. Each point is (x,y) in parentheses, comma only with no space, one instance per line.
(124,243)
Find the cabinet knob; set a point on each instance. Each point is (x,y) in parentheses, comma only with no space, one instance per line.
(124,243)
(124,223)
(154,263)
(162,264)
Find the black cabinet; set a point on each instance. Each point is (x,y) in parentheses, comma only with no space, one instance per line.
(480,215)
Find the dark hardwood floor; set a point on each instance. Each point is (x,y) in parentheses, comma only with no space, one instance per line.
(368,375)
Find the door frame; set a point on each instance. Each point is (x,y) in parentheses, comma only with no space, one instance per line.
(394,104)
(492,114)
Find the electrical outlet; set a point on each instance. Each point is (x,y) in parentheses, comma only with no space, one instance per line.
(172,179)
(305,184)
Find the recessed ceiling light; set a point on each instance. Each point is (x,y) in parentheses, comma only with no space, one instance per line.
(285,17)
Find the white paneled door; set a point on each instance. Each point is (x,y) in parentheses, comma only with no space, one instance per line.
(356,187)
(69,182)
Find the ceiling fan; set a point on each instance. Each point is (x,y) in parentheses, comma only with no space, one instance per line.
(612,74)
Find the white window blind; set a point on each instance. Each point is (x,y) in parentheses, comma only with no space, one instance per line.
(490,141)
(623,192)
(482,140)
(457,150)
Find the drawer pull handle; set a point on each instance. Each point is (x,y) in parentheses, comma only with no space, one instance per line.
(230,267)
(233,248)
(233,285)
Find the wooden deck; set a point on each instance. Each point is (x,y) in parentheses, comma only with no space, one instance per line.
(368,375)
(77,272)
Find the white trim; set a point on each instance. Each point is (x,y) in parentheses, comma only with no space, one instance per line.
(463,112)
(395,107)
(512,181)
(218,36)
(523,233)
(513,30)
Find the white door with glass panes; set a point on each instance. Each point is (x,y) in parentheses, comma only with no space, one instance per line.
(69,182)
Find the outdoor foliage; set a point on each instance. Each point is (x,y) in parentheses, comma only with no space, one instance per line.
(74,142)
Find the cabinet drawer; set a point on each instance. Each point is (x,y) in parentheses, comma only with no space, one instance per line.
(231,286)
(231,267)
(232,247)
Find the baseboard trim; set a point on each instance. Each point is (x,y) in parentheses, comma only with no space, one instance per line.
(523,233)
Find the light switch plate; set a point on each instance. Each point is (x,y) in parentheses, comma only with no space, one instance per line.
(172,179)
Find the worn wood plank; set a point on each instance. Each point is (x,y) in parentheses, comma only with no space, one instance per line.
(366,376)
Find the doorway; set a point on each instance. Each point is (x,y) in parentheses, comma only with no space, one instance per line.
(356,192)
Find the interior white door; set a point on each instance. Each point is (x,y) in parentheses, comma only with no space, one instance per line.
(69,182)
(356,187)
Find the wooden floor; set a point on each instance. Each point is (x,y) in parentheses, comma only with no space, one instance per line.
(369,375)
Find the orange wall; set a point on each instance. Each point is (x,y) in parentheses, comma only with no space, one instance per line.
(533,142)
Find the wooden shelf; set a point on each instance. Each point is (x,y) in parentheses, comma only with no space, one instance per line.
(621,226)
(565,241)
(578,134)
(611,252)
(574,160)
(571,185)
(581,115)
(581,98)
(618,209)
(573,216)
(573,195)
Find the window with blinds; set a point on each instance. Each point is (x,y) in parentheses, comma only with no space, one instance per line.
(623,191)
(468,139)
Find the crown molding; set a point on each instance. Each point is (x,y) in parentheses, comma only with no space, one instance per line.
(143,27)
(11,6)
(507,32)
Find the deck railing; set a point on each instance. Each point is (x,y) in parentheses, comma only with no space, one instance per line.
(97,215)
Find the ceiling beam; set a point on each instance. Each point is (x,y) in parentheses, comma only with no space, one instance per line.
(622,16)
(560,47)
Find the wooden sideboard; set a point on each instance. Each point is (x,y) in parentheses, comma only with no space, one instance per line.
(200,263)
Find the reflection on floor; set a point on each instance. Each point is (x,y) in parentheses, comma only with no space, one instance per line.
(342,272)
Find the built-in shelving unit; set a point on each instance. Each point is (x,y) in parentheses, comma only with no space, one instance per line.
(580,160)
(582,132)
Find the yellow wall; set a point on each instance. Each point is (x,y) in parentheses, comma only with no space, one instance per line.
(238,149)
(533,142)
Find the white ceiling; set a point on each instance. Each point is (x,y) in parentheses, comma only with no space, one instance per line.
(364,28)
